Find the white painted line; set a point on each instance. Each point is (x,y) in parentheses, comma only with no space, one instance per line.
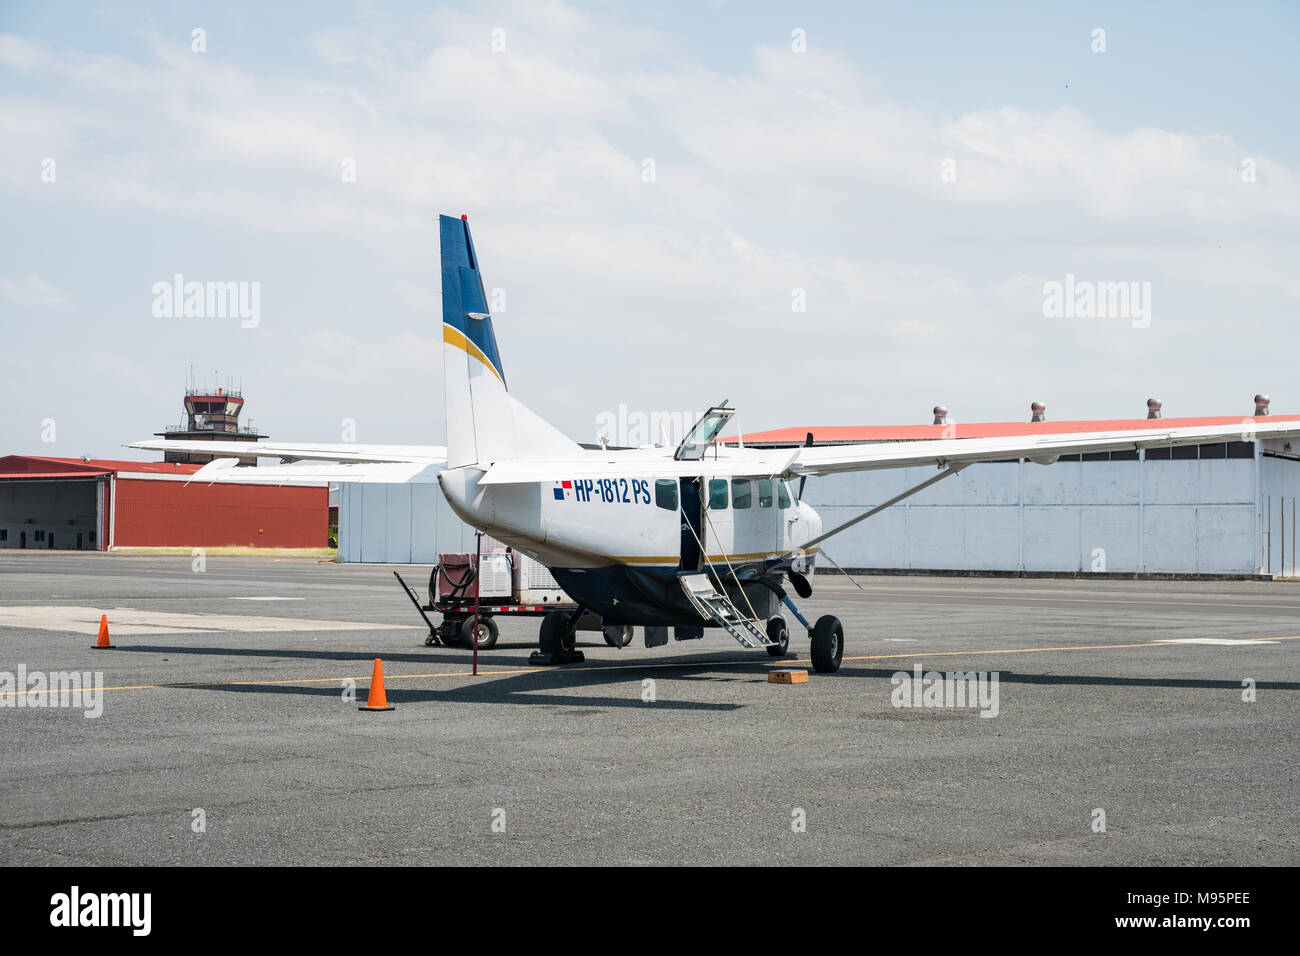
(267,599)
(127,620)
(901,640)
(1223,642)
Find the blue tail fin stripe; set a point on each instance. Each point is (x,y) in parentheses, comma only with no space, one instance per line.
(462,289)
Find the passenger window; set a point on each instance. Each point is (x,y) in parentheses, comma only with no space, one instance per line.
(740,494)
(717,494)
(765,492)
(666,493)
(782,495)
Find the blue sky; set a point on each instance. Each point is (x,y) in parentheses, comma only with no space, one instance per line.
(776,170)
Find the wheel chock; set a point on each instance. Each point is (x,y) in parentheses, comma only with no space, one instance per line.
(544,658)
(787,677)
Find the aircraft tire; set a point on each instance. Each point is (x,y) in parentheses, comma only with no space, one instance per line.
(778,632)
(618,635)
(557,637)
(827,644)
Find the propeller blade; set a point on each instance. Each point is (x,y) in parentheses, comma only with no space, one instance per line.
(803,479)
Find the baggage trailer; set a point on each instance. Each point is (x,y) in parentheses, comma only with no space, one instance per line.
(509,583)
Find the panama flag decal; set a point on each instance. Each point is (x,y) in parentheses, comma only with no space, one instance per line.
(563,489)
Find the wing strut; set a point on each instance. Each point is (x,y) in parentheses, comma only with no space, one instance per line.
(950,470)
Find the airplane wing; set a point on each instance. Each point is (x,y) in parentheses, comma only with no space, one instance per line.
(299,451)
(1043,448)
(753,463)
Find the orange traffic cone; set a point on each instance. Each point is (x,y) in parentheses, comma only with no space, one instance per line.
(377,700)
(103,643)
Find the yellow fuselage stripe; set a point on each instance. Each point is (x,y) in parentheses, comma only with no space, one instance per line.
(712,558)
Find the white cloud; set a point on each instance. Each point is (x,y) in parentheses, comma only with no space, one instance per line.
(32,291)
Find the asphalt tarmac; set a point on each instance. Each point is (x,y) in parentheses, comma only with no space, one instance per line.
(227,735)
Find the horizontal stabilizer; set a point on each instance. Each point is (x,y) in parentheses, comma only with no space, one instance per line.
(302,451)
(223,471)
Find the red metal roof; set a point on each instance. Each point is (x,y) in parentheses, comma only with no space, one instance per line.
(25,466)
(840,434)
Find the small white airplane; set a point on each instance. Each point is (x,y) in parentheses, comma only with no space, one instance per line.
(697,536)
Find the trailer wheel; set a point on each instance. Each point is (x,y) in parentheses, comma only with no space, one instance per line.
(486,636)
(449,633)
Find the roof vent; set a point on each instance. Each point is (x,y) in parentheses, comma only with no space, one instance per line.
(1040,412)
(1261,404)
(940,415)
(1153,407)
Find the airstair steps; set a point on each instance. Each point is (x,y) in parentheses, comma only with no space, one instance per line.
(714,605)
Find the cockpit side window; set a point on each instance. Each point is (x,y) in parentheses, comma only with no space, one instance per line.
(717,494)
(666,493)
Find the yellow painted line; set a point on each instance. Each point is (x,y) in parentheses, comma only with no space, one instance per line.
(785,662)
(297,680)
(1028,650)
(1003,595)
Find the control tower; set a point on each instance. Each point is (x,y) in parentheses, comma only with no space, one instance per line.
(211,414)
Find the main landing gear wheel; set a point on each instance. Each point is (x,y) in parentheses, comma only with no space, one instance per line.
(827,644)
(486,635)
(779,634)
(618,635)
(557,641)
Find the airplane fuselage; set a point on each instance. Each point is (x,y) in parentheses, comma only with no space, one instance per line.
(618,545)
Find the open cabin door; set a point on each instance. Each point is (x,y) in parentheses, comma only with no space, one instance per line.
(692,515)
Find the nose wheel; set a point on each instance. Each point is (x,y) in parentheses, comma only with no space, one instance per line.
(779,635)
(827,644)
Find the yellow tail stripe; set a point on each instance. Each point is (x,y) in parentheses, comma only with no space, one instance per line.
(453,336)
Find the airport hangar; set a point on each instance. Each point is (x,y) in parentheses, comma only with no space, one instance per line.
(1215,509)
(90,504)
(94,505)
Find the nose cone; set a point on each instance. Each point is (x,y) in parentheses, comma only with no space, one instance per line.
(811,520)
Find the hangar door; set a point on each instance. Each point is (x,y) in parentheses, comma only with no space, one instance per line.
(61,514)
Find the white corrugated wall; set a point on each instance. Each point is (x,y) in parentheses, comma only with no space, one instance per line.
(1170,516)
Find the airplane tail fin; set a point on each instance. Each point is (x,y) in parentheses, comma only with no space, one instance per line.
(484,422)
